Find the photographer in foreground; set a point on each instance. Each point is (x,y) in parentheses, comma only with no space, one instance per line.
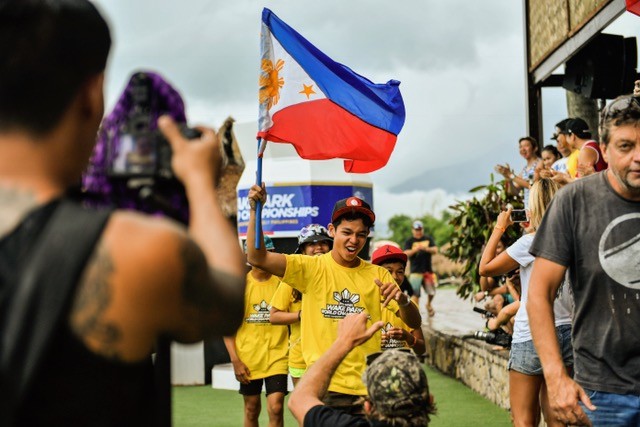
(397,388)
(141,278)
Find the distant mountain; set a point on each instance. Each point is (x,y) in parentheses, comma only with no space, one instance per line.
(460,177)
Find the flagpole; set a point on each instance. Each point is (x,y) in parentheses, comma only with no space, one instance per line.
(261,146)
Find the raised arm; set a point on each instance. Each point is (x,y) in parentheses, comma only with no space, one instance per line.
(148,277)
(197,165)
(352,331)
(272,262)
(490,264)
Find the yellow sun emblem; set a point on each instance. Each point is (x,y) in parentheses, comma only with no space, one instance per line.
(271,82)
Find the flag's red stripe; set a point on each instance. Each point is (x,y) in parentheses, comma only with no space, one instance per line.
(321,130)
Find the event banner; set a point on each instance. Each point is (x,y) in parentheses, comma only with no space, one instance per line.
(289,208)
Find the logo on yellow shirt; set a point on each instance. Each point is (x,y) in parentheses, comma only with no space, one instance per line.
(346,305)
(261,315)
(390,342)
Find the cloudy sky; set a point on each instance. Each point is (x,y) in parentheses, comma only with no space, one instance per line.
(461,65)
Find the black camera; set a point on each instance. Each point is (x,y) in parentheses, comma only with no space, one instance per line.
(497,337)
(141,150)
(486,314)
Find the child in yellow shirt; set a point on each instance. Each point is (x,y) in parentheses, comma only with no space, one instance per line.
(396,333)
(259,349)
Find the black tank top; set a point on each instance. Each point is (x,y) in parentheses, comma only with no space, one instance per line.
(75,387)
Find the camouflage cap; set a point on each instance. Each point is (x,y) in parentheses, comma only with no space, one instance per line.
(397,385)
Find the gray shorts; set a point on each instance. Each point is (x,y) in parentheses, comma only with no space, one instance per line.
(523,357)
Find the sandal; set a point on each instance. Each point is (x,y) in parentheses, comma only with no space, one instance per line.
(431,311)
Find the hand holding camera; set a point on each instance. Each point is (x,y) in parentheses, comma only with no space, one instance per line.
(193,160)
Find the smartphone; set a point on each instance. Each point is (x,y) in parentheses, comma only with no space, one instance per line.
(519,215)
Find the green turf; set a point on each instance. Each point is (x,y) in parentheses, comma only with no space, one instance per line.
(457,406)
(204,406)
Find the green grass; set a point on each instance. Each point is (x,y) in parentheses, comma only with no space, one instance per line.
(457,406)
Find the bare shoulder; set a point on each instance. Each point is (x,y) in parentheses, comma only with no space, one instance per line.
(125,283)
(147,251)
(148,278)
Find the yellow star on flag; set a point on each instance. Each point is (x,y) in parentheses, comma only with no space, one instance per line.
(307,90)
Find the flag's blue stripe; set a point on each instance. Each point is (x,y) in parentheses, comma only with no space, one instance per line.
(380,105)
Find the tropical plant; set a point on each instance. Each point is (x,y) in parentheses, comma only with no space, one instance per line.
(473,222)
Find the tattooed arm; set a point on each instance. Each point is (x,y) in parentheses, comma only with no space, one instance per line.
(149,277)
(214,266)
(146,278)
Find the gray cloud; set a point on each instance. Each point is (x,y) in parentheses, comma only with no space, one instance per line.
(461,64)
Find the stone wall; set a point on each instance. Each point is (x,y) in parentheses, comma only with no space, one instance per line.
(471,361)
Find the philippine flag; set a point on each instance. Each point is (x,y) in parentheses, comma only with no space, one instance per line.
(323,108)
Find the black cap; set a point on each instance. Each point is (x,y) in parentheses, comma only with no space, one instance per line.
(579,128)
(562,128)
(352,204)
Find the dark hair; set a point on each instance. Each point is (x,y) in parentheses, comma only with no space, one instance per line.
(553,150)
(49,49)
(352,216)
(624,110)
(562,124)
(533,142)
(393,261)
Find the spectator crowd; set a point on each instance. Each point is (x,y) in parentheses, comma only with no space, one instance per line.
(564,289)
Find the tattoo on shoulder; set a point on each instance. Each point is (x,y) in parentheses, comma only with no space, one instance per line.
(195,285)
(93,297)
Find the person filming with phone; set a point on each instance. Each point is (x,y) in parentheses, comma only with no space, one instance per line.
(526,382)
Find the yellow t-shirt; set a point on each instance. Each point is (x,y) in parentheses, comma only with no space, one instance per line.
(391,320)
(283,300)
(259,344)
(572,163)
(330,292)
